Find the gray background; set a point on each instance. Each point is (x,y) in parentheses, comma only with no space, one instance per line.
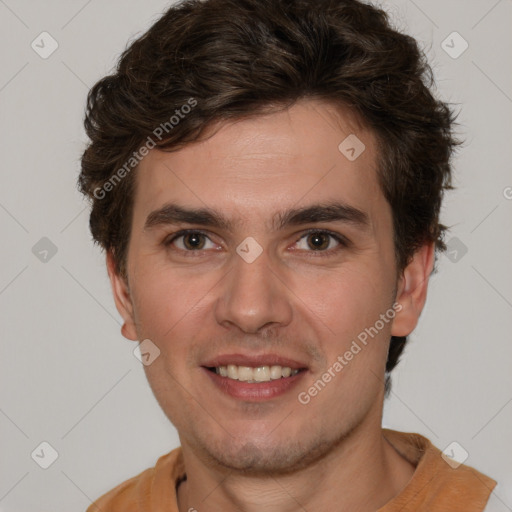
(69,378)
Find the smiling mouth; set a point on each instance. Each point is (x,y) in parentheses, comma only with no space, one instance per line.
(253,375)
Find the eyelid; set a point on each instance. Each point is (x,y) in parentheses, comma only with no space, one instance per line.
(183,232)
(334,234)
(342,241)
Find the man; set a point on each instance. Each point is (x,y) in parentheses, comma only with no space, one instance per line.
(266,178)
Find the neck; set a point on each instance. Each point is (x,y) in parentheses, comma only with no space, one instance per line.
(362,473)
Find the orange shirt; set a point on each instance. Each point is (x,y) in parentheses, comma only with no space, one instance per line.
(434,486)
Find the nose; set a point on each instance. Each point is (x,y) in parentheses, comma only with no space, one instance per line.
(253,296)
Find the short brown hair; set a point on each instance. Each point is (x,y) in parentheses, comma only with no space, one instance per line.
(235,58)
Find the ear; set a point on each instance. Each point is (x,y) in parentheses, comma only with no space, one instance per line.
(412,290)
(122,299)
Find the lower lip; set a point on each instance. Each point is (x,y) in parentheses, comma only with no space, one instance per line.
(255,392)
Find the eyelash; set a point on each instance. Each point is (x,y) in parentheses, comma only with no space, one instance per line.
(342,241)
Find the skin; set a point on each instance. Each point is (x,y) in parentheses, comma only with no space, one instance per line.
(294,300)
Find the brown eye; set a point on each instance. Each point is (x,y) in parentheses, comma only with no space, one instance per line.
(189,241)
(318,241)
(193,241)
(321,241)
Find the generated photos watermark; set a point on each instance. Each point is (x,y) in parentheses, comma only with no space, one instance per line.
(304,397)
(137,156)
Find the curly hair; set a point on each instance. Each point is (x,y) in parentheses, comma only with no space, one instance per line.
(230,59)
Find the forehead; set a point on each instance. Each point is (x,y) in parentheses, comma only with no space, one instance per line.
(252,168)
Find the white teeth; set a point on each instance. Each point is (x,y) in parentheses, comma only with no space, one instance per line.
(245,373)
(233,371)
(258,374)
(275,372)
(261,374)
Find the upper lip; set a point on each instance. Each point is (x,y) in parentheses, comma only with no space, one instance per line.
(254,361)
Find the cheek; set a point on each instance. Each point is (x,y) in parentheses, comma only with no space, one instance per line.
(346,300)
(169,310)
(346,308)
(168,300)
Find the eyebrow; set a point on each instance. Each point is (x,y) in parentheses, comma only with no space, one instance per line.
(173,213)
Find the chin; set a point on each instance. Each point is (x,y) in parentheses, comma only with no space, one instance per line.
(266,457)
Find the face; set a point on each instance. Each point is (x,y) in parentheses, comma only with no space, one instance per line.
(286,261)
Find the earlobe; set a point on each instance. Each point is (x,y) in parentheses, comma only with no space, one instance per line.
(122,299)
(412,290)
